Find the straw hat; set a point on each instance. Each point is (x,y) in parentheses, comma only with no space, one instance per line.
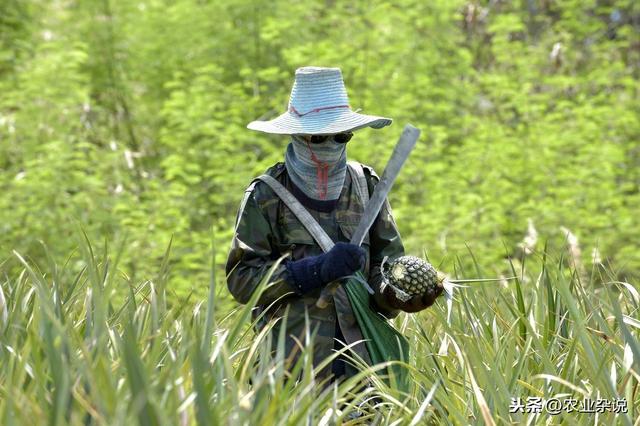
(318,105)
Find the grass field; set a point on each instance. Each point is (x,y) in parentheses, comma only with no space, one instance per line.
(91,347)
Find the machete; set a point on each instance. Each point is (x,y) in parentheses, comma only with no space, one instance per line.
(400,154)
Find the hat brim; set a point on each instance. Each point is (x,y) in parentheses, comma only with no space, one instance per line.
(319,123)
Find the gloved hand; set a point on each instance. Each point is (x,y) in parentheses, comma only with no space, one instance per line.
(316,271)
(415,304)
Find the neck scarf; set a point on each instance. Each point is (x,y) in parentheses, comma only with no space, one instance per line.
(317,169)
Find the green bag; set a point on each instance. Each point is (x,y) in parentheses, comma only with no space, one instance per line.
(383,342)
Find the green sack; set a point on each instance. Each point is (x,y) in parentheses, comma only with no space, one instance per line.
(383,342)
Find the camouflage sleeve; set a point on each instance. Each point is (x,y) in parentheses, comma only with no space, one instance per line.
(385,241)
(252,255)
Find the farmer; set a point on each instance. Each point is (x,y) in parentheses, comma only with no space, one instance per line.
(319,123)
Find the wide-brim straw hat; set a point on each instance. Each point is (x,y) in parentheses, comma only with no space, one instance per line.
(318,105)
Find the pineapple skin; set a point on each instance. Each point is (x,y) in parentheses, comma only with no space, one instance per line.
(412,275)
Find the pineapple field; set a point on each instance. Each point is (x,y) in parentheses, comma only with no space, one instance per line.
(125,155)
(94,347)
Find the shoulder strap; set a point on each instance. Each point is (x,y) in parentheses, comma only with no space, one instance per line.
(274,171)
(243,204)
(357,176)
(310,224)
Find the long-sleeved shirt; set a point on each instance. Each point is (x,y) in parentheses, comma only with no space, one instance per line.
(266,230)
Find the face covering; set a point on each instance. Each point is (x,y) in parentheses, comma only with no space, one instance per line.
(317,169)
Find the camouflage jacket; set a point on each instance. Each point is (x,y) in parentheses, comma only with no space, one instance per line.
(266,229)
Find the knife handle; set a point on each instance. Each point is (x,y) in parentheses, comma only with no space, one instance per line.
(326,294)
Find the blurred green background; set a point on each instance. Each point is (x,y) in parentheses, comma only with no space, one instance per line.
(128,118)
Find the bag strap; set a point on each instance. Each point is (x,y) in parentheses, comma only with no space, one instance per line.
(310,224)
(243,204)
(358,178)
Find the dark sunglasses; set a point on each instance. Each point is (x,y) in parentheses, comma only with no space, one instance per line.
(339,138)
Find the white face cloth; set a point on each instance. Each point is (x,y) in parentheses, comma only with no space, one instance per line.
(317,169)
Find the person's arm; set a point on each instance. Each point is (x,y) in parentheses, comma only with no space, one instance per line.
(252,255)
(385,242)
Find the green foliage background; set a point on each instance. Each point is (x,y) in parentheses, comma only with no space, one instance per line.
(129,117)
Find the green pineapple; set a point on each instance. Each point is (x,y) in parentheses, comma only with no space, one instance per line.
(411,276)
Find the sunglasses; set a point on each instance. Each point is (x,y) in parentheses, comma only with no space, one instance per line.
(339,138)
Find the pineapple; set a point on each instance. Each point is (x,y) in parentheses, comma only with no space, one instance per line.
(411,276)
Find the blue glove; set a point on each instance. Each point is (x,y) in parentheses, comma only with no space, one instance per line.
(314,272)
